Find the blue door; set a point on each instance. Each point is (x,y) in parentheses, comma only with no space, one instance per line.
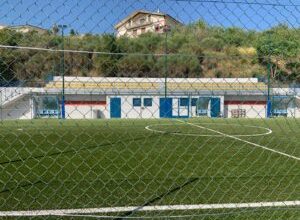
(115,107)
(215,107)
(165,107)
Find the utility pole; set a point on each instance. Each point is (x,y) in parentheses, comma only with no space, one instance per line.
(269,101)
(62,71)
(166,30)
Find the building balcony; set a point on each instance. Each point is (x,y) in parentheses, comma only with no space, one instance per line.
(138,25)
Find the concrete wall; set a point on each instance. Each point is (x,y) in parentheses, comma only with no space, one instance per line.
(22,108)
(153,80)
(255,106)
(86,112)
(130,111)
(293,112)
(294,108)
(252,111)
(98,106)
(89,106)
(86,107)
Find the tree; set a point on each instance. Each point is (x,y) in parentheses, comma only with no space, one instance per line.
(73,32)
(276,47)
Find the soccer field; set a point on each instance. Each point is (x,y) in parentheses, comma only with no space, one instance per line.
(80,164)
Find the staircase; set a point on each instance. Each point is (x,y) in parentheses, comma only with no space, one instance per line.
(12,94)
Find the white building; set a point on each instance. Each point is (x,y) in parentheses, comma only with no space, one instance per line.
(26,28)
(99,97)
(140,22)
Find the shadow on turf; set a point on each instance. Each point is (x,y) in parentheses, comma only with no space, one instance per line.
(56,154)
(157,198)
(127,214)
(21,186)
(72,151)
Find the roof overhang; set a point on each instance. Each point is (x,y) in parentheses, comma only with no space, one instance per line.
(144,12)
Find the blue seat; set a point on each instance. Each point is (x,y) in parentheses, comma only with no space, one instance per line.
(280,112)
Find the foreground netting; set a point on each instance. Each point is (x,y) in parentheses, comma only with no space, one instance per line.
(168,109)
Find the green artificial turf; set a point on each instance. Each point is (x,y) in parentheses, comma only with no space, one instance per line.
(55,164)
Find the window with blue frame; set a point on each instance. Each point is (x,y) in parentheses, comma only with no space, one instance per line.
(194,101)
(148,102)
(137,102)
(184,102)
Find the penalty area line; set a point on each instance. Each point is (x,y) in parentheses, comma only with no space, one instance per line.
(62,212)
(242,140)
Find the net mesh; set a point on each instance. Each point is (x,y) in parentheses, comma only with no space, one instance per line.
(149,109)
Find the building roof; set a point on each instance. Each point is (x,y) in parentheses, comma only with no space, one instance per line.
(132,15)
(26,26)
(155,86)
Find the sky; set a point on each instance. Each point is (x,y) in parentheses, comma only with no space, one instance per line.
(99,16)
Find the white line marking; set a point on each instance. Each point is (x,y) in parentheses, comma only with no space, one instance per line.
(150,208)
(268,131)
(131,217)
(239,139)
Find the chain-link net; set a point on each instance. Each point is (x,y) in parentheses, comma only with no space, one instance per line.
(165,109)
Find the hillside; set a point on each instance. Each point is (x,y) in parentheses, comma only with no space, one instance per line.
(196,50)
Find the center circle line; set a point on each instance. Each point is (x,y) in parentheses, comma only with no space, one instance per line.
(268,130)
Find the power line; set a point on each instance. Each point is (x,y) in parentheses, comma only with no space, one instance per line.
(241,2)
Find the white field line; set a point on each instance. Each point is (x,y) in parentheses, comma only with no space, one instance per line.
(245,141)
(268,131)
(151,208)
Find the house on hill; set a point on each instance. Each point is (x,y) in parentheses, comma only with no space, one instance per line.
(140,22)
(27,28)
